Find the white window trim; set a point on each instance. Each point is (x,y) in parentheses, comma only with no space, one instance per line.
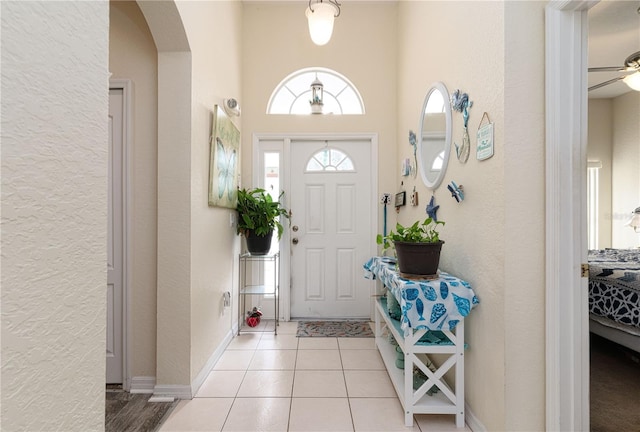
(329,171)
(282,85)
(593,202)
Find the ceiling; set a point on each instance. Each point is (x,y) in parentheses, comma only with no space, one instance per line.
(614,34)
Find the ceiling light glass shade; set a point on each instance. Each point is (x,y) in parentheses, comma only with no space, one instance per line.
(321,22)
(634,222)
(633,81)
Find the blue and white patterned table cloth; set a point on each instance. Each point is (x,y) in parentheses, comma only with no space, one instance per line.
(426,304)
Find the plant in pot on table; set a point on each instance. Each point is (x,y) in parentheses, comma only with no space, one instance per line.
(258,216)
(417,247)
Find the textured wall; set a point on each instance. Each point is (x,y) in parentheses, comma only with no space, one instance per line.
(524,228)
(133,56)
(465,59)
(600,147)
(494,51)
(214,243)
(174,196)
(363,48)
(54,214)
(625,182)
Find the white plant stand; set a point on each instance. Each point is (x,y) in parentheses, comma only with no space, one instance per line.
(446,401)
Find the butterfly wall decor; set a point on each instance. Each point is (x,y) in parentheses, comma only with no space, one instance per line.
(223,161)
(226,162)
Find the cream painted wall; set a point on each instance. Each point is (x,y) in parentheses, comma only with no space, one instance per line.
(54,214)
(214,30)
(524,229)
(494,239)
(133,56)
(173,330)
(626,173)
(599,148)
(363,48)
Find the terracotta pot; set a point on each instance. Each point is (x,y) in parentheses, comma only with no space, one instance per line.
(419,259)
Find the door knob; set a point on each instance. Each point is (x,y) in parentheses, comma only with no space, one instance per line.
(295,228)
(294,240)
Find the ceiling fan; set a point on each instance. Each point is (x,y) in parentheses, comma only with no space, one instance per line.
(631,66)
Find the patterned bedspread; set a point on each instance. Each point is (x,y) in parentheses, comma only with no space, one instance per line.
(614,285)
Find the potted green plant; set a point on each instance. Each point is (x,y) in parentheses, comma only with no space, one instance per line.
(417,247)
(258,216)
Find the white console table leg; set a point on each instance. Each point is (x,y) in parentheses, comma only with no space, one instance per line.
(460,374)
(408,377)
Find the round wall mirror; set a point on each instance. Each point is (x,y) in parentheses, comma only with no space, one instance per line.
(434,140)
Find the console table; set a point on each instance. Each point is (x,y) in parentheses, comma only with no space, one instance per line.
(431,322)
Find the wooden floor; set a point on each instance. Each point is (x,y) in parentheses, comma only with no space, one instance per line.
(126,412)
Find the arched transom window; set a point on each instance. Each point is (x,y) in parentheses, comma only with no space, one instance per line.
(293,94)
(330,159)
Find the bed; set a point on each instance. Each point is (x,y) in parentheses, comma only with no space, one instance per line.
(614,295)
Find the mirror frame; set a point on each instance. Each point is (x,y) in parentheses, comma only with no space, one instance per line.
(433,185)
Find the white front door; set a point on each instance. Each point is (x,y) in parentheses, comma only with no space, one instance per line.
(331,228)
(115,239)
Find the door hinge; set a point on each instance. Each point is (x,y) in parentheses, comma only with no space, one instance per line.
(585,270)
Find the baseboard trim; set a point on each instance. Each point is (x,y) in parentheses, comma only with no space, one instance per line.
(472,421)
(234,330)
(172,391)
(142,384)
(213,359)
(161,399)
(166,391)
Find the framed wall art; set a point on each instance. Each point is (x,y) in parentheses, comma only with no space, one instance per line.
(223,161)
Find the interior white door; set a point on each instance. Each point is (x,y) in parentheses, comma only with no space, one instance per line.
(115,239)
(330,235)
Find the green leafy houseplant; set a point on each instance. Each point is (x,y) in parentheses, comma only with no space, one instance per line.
(417,247)
(420,232)
(259,214)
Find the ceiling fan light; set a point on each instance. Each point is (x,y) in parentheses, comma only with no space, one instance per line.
(633,81)
(321,22)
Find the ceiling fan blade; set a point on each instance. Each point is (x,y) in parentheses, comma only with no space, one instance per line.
(602,84)
(607,69)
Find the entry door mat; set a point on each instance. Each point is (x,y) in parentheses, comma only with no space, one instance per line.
(334,329)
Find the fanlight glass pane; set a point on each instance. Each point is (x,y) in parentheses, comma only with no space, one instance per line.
(299,84)
(293,94)
(301,104)
(314,165)
(329,159)
(282,102)
(350,101)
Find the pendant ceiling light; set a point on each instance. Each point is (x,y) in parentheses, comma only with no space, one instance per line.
(321,14)
(633,81)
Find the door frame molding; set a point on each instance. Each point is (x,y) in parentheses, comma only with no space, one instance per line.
(126,86)
(567,315)
(286,138)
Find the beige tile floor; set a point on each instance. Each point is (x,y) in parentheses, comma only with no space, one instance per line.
(267,382)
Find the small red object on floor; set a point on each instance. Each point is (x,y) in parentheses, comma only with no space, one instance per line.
(253,317)
(253,321)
